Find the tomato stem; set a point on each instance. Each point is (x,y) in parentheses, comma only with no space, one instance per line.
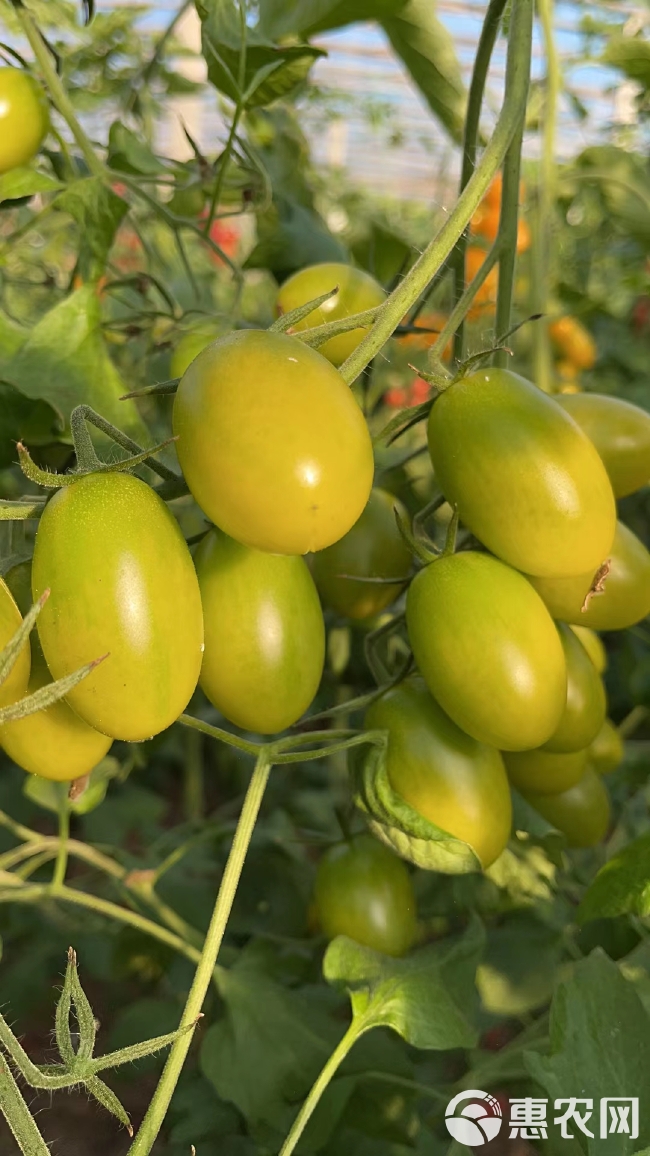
(61,864)
(507,237)
(334,1062)
(18,1116)
(543,234)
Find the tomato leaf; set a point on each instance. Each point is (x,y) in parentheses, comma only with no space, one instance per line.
(128,153)
(622,885)
(307,17)
(290,236)
(25,183)
(531,827)
(517,973)
(401,827)
(631,54)
(98,211)
(429,998)
(600,1047)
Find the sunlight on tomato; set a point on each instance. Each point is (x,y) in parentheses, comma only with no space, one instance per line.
(586,706)
(24,118)
(582,812)
(620,432)
(272,443)
(607,749)
(357,291)
(545,772)
(15,684)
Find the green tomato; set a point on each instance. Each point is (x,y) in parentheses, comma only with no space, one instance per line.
(607,749)
(122,584)
(620,432)
(364,891)
(544,772)
(582,812)
(490,654)
(357,291)
(593,645)
(373,548)
(264,634)
(192,343)
(24,118)
(586,704)
(188,200)
(525,479)
(15,684)
(272,443)
(625,598)
(451,779)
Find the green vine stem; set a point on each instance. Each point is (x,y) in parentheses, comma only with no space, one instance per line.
(507,237)
(454,322)
(543,231)
(18,1116)
(400,300)
(61,864)
(484,52)
(157,1110)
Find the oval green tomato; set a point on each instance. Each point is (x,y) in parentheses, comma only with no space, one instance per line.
(544,772)
(373,548)
(586,705)
(24,118)
(582,812)
(272,443)
(593,645)
(357,291)
(264,634)
(454,781)
(625,595)
(525,478)
(122,583)
(607,749)
(489,653)
(15,684)
(192,343)
(364,891)
(620,432)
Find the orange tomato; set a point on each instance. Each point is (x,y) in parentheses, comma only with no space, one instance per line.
(431,321)
(485,299)
(573,341)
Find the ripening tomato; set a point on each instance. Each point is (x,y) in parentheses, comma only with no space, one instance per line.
(451,779)
(264,634)
(490,655)
(485,223)
(495,189)
(525,478)
(607,749)
(624,599)
(357,291)
(434,322)
(586,704)
(582,812)
(15,684)
(272,443)
(545,772)
(620,432)
(593,645)
(24,118)
(122,584)
(364,891)
(192,343)
(373,548)
(573,341)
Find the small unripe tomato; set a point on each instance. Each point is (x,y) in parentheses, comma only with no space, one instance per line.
(193,342)
(586,706)
(364,891)
(582,812)
(544,772)
(264,634)
(607,749)
(24,118)
(373,548)
(573,341)
(357,291)
(15,684)
(594,646)
(272,442)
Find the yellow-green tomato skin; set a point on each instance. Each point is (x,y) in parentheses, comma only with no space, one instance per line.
(526,480)
(373,548)
(607,749)
(490,654)
(24,118)
(625,599)
(15,684)
(582,812)
(364,891)
(357,291)
(594,646)
(191,344)
(544,772)
(122,584)
(620,432)
(272,443)
(264,634)
(451,779)
(586,704)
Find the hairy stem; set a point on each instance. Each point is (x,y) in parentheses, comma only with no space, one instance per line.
(60,867)
(542,255)
(320,1084)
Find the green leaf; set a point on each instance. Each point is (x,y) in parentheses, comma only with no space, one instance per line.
(290,236)
(429,998)
(428,51)
(65,362)
(622,885)
(517,973)
(532,828)
(401,827)
(307,17)
(632,55)
(128,153)
(600,1047)
(21,419)
(44,793)
(25,183)
(269,1046)
(384,253)
(98,211)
